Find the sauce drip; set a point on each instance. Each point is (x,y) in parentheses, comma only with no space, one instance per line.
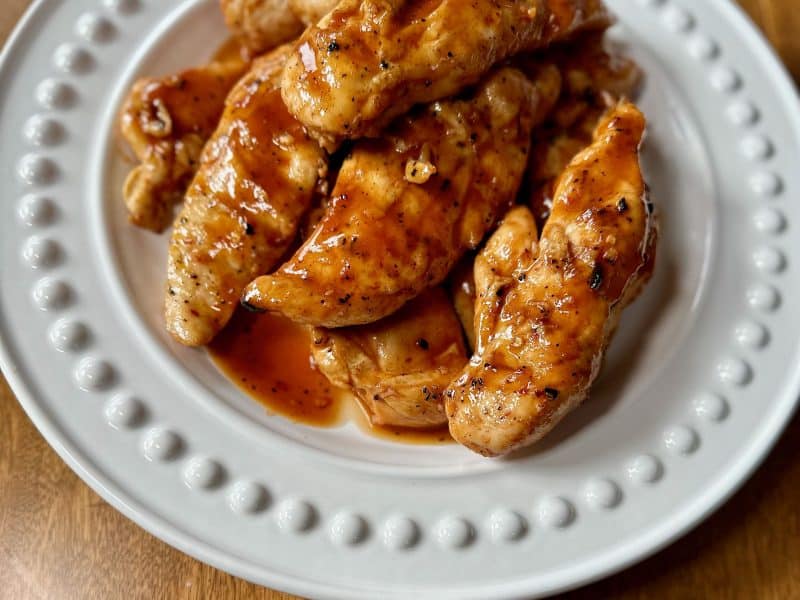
(269,358)
(406,435)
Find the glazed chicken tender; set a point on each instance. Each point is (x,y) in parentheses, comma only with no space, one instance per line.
(241,212)
(505,259)
(407,206)
(398,367)
(369,61)
(595,79)
(545,322)
(311,11)
(167,121)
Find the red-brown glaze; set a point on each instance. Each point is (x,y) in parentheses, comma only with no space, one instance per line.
(269,358)
(545,320)
(166,121)
(369,61)
(388,236)
(256,180)
(261,25)
(594,79)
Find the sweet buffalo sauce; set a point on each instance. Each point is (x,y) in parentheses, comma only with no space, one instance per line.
(269,358)
(408,435)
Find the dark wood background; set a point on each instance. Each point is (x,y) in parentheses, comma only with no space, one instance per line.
(59,540)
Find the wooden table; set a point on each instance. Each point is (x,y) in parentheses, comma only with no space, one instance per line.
(59,540)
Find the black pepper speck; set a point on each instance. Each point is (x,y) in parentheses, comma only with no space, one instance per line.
(596,279)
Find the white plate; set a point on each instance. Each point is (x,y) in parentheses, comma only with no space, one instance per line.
(700,379)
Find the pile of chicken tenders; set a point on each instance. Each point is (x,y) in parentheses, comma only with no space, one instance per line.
(448,194)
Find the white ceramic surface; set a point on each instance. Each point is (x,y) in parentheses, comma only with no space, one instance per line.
(699,382)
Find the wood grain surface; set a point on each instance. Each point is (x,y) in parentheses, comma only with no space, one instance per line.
(59,540)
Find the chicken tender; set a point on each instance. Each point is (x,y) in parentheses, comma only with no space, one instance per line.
(167,121)
(508,255)
(545,322)
(398,367)
(255,182)
(261,25)
(595,79)
(369,61)
(406,207)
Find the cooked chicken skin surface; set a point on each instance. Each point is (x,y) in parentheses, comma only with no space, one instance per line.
(544,324)
(594,80)
(167,121)
(504,247)
(256,180)
(505,259)
(398,367)
(261,25)
(311,11)
(369,61)
(407,206)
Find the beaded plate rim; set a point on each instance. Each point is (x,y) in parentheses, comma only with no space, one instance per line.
(345,529)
